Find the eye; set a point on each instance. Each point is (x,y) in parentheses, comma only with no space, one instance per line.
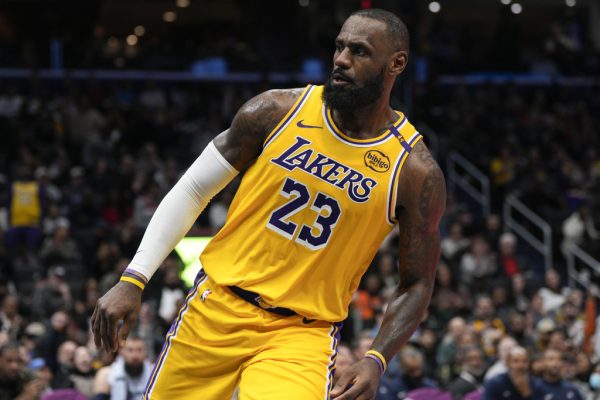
(339,47)
(359,51)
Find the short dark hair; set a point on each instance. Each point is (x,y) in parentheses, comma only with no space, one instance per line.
(396,29)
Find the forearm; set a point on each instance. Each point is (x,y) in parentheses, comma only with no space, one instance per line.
(403,315)
(418,258)
(180,208)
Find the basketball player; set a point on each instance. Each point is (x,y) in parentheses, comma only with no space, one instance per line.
(330,171)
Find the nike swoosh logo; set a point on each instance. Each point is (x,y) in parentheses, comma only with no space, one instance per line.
(307,321)
(301,125)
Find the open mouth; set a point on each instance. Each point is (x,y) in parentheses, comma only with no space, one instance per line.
(340,79)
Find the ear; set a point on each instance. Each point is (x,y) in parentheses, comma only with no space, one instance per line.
(398,62)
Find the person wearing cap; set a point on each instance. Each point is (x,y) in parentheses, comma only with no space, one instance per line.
(41,370)
(544,330)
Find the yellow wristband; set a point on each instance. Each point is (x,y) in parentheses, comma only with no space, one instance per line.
(132,280)
(379,356)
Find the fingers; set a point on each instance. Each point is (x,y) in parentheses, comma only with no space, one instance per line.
(127,323)
(113,329)
(341,385)
(356,391)
(107,334)
(100,320)
(96,327)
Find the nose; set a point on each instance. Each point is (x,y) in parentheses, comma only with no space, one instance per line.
(342,59)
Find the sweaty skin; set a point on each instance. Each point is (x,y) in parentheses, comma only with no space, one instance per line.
(362,51)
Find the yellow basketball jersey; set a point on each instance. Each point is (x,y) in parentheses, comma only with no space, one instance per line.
(311,212)
(25,206)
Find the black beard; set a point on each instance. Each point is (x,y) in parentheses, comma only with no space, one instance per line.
(134,370)
(349,98)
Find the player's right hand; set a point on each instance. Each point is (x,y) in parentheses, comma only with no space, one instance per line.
(121,303)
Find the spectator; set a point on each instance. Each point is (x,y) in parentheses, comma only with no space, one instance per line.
(505,346)
(25,213)
(64,365)
(15,381)
(477,265)
(53,220)
(552,294)
(471,375)
(570,373)
(82,374)
(10,320)
(510,263)
(412,377)
(172,292)
(545,328)
(519,297)
(448,348)
(578,228)
(485,316)
(571,319)
(42,371)
(52,295)
(594,384)
(516,383)
(130,372)
(517,328)
(552,382)
(454,245)
(60,248)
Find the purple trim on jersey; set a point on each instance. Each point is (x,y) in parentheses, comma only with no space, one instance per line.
(200,278)
(333,129)
(391,217)
(336,336)
(400,138)
(290,116)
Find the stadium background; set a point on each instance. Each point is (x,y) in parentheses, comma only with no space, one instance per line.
(103,104)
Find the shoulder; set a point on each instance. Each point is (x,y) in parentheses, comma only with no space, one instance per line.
(243,141)
(497,380)
(269,107)
(571,390)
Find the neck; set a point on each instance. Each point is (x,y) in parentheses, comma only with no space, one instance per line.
(366,122)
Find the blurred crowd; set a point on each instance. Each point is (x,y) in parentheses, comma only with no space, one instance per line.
(83,167)
(540,143)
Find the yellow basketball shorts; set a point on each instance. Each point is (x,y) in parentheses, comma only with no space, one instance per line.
(219,342)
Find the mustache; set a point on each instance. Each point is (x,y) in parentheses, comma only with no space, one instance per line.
(339,74)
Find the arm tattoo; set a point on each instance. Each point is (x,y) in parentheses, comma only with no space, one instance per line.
(242,142)
(422,205)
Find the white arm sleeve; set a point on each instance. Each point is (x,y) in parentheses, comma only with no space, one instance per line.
(180,208)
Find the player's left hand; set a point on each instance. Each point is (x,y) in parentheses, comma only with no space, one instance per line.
(359,382)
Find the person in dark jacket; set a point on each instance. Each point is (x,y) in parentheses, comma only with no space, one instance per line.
(516,384)
(553,385)
(471,376)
